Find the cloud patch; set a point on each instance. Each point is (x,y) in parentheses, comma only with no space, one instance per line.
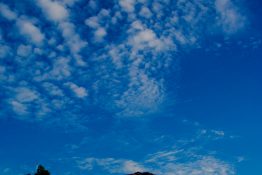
(172,162)
(114,56)
(230,17)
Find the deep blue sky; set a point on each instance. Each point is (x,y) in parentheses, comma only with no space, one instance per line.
(114,87)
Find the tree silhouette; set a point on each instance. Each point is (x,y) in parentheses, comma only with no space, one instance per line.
(41,170)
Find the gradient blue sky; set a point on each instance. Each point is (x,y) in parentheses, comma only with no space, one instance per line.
(118,86)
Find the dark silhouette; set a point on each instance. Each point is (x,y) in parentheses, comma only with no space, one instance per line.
(144,173)
(41,170)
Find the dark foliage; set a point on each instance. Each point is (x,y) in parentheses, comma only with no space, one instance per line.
(42,171)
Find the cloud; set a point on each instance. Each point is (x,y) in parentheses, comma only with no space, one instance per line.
(100,33)
(25,94)
(95,22)
(121,52)
(230,17)
(146,39)
(111,165)
(92,22)
(127,5)
(59,14)
(26,27)
(205,165)
(18,107)
(52,89)
(145,12)
(23,97)
(24,50)
(7,13)
(142,96)
(173,162)
(54,10)
(75,43)
(80,92)
(61,69)
(31,31)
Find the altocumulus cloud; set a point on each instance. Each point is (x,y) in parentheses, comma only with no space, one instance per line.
(111,55)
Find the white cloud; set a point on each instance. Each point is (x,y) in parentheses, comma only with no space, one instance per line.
(53,89)
(115,54)
(143,96)
(103,14)
(61,69)
(230,17)
(26,27)
(75,43)
(145,39)
(79,91)
(24,50)
(219,133)
(57,12)
(6,12)
(100,33)
(25,94)
(145,12)
(31,31)
(111,165)
(18,107)
(54,10)
(130,166)
(164,156)
(23,97)
(205,165)
(129,69)
(92,22)
(128,5)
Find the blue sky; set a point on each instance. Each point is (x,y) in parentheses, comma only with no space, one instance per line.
(113,87)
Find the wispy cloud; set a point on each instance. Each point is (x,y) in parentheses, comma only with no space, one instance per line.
(173,162)
(7,13)
(229,17)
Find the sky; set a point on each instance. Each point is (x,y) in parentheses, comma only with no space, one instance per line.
(106,87)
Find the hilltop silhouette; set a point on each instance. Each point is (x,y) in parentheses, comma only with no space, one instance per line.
(144,173)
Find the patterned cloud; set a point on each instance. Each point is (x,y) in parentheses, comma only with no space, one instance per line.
(114,55)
